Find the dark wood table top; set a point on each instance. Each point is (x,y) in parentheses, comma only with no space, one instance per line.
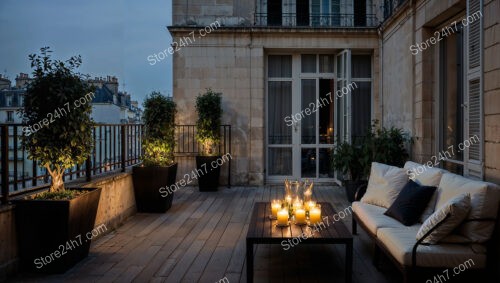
(264,230)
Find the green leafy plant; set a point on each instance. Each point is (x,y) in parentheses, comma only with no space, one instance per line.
(378,145)
(159,136)
(387,145)
(347,159)
(209,109)
(63,137)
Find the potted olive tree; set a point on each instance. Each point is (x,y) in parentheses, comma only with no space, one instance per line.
(157,173)
(54,223)
(209,109)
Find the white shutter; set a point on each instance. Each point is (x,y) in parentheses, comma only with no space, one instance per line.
(473,153)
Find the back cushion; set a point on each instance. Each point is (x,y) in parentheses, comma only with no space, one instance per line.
(425,175)
(480,222)
(384,185)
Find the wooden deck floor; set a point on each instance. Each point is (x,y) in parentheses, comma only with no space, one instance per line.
(202,239)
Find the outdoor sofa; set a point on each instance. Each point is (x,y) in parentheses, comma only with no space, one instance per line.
(468,208)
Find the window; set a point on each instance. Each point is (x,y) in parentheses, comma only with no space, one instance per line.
(9,100)
(10,116)
(274,12)
(359,13)
(302,12)
(452,99)
(361,87)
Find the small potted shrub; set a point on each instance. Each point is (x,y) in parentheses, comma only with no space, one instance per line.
(209,109)
(49,223)
(157,173)
(348,159)
(387,145)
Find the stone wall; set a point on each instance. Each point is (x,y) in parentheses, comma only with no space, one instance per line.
(232,61)
(492,89)
(205,12)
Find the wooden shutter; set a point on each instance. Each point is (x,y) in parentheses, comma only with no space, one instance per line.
(474,161)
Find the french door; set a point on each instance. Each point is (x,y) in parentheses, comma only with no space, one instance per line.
(300,117)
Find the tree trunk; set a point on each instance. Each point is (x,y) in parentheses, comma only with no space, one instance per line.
(57,183)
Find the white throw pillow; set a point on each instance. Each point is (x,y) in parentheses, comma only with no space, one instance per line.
(484,205)
(457,208)
(384,185)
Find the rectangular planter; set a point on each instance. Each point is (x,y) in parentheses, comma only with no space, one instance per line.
(49,231)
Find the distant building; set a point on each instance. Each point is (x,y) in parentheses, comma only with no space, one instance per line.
(111,106)
(23,80)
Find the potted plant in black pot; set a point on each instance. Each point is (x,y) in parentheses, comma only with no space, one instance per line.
(51,226)
(349,160)
(209,109)
(154,177)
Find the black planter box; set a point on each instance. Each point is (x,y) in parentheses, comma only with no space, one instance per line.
(48,228)
(148,180)
(208,177)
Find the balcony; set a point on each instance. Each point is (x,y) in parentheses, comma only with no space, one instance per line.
(315,20)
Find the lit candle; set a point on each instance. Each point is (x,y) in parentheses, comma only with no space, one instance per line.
(283,217)
(275,206)
(297,204)
(310,204)
(300,216)
(315,215)
(288,199)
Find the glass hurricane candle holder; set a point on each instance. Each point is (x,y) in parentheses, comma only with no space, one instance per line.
(308,187)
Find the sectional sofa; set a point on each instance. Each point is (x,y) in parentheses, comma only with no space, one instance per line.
(454,226)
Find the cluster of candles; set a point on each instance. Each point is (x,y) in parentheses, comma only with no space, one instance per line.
(301,211)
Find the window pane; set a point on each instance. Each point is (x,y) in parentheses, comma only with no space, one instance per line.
(325,158)
(326,112)
(308,162)
(452,95)
(361,66)
(308,117)
(361,109)
(280,161)
(280,106)
(326,63)
(308,63)
(280,66)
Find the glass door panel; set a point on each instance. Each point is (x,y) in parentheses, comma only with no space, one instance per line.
(308,122)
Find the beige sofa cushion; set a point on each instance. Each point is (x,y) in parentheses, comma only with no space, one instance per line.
(400,241)
(425,175)
(484,205)
(384,185)
(373,217)
(456,209)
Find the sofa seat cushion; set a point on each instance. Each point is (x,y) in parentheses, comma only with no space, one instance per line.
(384,184)
(400,241)
(373,217)
(480,222)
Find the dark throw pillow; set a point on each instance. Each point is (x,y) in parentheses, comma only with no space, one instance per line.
(410,203)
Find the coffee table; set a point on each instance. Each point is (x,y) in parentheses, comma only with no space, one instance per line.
(263,230)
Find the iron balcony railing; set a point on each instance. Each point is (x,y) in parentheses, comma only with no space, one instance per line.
(316,20)
(115,147)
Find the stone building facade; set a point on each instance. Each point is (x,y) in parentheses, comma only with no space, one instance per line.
(271,61)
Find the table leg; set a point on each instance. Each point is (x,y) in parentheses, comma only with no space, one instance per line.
(249,261)
(348,261)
